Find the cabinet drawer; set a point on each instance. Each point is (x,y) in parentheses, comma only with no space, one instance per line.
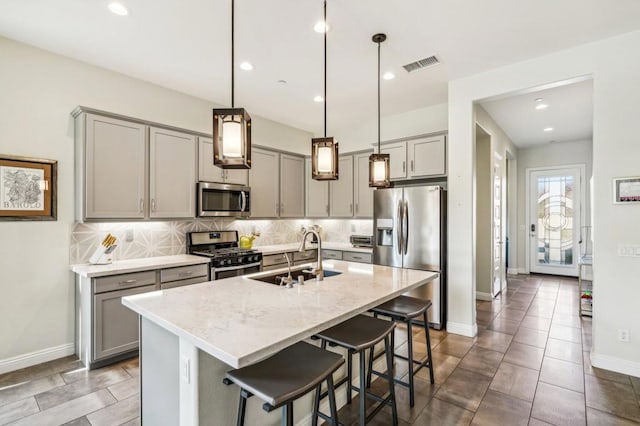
(305,255)
(120,282)
(351,256)
(274,259)
(184,272)
(332,254)
(180,283)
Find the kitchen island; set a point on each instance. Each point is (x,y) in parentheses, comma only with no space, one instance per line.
(190,336)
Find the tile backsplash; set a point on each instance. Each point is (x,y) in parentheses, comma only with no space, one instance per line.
(168,238)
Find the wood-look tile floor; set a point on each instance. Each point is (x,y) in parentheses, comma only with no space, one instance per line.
(529,365)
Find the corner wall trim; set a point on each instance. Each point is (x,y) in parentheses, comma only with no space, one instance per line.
(612,363)
(484,296)
(36,357)
(462,329)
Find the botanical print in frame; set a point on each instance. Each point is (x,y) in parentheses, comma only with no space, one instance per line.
(27,188)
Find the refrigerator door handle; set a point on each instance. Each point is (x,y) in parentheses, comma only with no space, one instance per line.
(400,238)
(405,223)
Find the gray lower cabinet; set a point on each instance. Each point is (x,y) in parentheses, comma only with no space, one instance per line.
(352,256)
(115,326)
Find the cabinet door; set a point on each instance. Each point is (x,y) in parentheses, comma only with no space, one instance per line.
(207,172)
(291,186)
(172,174)
(427,157)
(362,192)
(115,327)
(264,183)
(341,190)
(115,168)
(397,160)
(316,194)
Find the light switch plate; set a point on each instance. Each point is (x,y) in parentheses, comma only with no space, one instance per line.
(185,369)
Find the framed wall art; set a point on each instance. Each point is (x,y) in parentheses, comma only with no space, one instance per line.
(626,190)
(27,188)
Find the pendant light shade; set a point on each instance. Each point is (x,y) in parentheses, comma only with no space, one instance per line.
(232,126)
(379,172)
(324,151)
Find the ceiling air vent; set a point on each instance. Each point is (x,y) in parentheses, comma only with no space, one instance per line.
(422,63)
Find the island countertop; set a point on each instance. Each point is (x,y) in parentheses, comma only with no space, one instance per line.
(241,320)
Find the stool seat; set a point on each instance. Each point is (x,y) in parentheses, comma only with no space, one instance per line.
(288,374)
(358,333)
(404,307)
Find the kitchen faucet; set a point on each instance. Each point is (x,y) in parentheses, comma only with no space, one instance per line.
(286,281)
(318,271)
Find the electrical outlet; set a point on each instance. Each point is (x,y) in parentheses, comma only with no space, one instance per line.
(128,237)
(623,335)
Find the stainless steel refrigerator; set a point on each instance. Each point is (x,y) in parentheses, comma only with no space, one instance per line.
(410,232)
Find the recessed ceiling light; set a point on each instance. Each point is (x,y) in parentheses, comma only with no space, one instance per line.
(282,81)
(246,66)
(388,75)
(118,9)
(538,100)
(318,98)
(548,129)
(321,27)
(542,106)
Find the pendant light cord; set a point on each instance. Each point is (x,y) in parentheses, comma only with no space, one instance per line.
(378,97)
(325,68)
(232,53)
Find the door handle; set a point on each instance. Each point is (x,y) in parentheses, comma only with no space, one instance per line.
(400,238)
(405,222)
(243,201)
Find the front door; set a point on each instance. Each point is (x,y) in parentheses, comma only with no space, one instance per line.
(555,197)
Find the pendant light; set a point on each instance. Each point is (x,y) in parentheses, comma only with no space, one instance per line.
(232,126)
(379,163)
(324,151)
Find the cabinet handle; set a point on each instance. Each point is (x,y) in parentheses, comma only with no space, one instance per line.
(351,208)
(127,282)
(185,274)
(404,167)
(411,165)
(357,208)
(357,257)
(141,205)
(327,209)
(153,205)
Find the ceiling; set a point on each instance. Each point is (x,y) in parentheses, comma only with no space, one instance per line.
(185,45)
(569,113)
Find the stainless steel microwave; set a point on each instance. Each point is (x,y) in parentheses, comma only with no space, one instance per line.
(221,199)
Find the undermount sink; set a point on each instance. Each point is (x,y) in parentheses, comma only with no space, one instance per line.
(275,278)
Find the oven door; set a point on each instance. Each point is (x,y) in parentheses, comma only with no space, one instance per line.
(235,271)
(219,199)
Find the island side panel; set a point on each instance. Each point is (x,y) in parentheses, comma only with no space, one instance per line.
(159,375)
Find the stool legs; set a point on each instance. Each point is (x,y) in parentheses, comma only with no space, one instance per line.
(333,409)
(242,407)
(392,382)
(362,394)
(428,339)
(349,374)
(410,345)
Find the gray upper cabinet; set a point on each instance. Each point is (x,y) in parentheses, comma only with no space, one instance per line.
(172,174)
(397,160)
(362,192)
(207,172)
(264,181)
(316,194)
(291,186)
(112,170)
(427,157)
(341,190)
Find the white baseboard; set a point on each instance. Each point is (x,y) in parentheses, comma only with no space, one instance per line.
(462,329)
(619,365)
(37,357)
(484,296)
(523,271)
(513,271)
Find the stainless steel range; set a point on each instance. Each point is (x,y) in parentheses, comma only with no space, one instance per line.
(227,259)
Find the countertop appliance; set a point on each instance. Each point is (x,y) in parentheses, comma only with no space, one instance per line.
(410,232)
(223,200)
(227,259)
(361,240)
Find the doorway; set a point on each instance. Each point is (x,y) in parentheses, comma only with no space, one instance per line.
(554,205)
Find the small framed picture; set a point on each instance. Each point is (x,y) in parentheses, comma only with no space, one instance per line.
(626,190)
(27,188)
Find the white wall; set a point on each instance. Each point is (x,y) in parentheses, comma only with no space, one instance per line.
(484,209)
(361,136)
(615,67)
(550,155)
(39,90)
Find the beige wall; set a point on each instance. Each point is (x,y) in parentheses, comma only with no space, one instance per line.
(39,90)
(550,155)
(484,270)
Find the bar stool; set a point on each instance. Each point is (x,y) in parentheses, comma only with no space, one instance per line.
(405,309)
(357,335)
(285,377)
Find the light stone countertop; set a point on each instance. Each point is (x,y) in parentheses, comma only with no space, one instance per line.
(326,245)
(136,265)
(241,321)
